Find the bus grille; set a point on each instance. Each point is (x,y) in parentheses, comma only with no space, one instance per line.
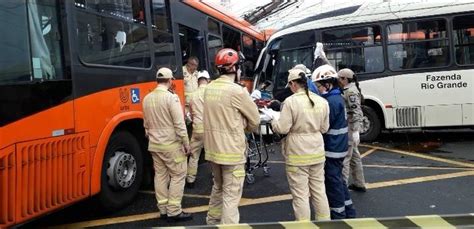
(7,186)
(408,117)
(51,173)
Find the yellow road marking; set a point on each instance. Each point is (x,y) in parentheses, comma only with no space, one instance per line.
(367,153)
(298,225)
(186,195)
(275,162)
(364,223)
(418,167)
(248,202)
(414,154)
(419,179)
(430,221)
(235,226)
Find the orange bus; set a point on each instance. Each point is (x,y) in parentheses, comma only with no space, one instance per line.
(73,75)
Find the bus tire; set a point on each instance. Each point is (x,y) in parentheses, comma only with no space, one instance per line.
(123,156)
(372,123)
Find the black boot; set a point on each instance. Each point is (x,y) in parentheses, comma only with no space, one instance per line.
(357,188)
(183,216)
(190,185)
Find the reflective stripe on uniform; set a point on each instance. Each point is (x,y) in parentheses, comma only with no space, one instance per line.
(163,201)
(238,173)
(337,131)
(336,154)
(192,171)
(291,169)
(225,157)
(348,202)
(339,210)
(163,147)
(175,202)
(215,211)
(179,159)
(306,158)
(198,128)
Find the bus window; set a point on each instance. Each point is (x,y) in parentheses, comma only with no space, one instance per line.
(231,38)
(286,60)
(213,27)
(214,43)
(160,16)
(463,35)
(359,49)
(162,37)
(113,33)
(421,44)
(15,55)
(191,45)
(251,55)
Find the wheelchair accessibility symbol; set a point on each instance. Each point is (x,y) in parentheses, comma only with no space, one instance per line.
(135,94)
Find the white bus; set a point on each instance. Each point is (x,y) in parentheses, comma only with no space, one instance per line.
(415,61)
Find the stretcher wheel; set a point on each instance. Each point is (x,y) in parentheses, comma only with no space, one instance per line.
(266,171)
(250,179)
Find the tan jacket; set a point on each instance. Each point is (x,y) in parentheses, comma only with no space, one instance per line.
(353,99)
(228,111)
(190,83)
(164,121)
(304,144)
(197,109)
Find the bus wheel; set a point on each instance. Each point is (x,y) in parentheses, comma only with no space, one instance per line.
(371,125)
(122,171)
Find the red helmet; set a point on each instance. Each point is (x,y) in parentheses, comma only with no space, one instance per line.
(226,58)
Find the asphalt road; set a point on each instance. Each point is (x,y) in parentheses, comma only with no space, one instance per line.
(418,173)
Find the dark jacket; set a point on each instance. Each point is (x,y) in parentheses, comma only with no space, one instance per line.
(336,139)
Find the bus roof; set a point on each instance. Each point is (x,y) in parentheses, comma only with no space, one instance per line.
(374,12)
(220,14)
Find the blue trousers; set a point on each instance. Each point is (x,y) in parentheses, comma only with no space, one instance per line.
(340,201)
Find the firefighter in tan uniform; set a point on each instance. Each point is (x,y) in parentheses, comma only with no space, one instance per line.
(228,111)
(304,117)
(168,145)
(196,106)
(353,98)
(190,74)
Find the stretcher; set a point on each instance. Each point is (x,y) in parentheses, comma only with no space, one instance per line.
(258,148)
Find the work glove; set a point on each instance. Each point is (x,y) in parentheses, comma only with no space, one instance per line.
(187,149)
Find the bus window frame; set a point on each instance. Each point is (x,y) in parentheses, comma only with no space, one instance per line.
(277,63)
(453,47)
(448,39)
(320,32)
(148,24)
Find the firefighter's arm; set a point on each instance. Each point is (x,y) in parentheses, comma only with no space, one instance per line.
(352,102)
(248,109)
(325,120)
(178,119)
(285,122)
(145,121)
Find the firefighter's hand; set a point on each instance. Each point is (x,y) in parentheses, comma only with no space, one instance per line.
(187,149)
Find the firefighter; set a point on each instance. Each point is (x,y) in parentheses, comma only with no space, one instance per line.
(353,98)
(197,143)
(304,117)
(168,145)
(190,74)
(335,145)
(228,111)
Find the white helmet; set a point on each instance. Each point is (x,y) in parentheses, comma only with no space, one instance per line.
(203,74)
(323,72)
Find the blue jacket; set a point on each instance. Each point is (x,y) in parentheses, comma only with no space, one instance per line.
(336,139)
(312,87)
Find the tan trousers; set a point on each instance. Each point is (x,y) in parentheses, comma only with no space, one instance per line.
(170,174)
(307,182)
(197,143)
(226,194)
(353,162)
